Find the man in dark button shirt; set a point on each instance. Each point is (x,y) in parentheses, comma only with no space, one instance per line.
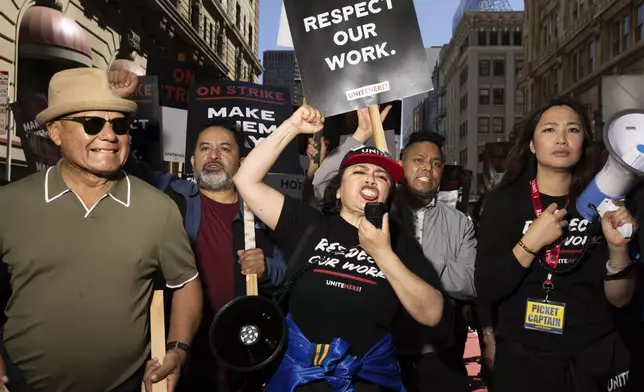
(212,211)
(83,242)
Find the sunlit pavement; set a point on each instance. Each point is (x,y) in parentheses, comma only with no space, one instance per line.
(472,359)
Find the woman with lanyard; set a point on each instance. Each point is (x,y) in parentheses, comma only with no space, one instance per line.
(553,275)
(353,277)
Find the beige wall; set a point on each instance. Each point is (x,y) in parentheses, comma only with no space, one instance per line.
(104,41)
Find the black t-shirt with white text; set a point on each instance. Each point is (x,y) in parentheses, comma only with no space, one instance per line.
(501,279)
(345,294)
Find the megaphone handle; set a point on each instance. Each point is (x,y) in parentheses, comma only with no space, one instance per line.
(252,287)
(378,131)
(626,230)
(157,335)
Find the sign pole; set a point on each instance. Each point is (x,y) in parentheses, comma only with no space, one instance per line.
(378,131)
(157,335)
(249,243)
(314,163)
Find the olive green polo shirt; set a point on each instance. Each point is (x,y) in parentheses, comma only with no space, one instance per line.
(82,278)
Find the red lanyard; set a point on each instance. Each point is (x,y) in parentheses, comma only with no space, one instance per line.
(552,253)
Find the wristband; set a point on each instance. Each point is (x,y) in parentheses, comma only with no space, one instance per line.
(521,244)
(612,270)
(177,345)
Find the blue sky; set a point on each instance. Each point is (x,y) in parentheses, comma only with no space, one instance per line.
(434,18)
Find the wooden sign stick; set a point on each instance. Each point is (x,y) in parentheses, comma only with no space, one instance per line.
(314,163)
(378,131)
(249,243)
(157,335)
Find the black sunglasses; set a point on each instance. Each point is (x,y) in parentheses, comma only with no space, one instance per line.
(94,125)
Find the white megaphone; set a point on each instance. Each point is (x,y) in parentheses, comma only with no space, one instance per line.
(624,139)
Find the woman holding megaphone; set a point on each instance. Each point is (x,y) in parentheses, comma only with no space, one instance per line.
(553,275)
(356,272)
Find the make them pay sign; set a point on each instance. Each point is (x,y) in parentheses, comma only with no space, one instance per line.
(354,34)
(545,316)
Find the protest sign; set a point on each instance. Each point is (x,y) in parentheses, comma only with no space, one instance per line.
(174,79)
(465,188)
(287,184)
(257,110)
(450,186)
(146,128)
(356,54)
(40,151)
(4,108)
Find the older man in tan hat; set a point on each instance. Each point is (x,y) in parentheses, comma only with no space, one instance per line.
(83,242)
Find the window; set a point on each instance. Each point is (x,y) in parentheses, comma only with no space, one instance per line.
(582,62)
(574,67)
(464,76)
(639,29)
(462,130)
(518,66)
(591,56)
(463,102)
(494,38)
(518,38)
(250,36)
(616,36)
(484,96)
(462,157)
(519,98)
(497,125)
(499,67)
(505,38)
(238,16)
(575,9)
(626,32)
(556,24)
(498,96)
(484,68)
(484,125)
(482,38)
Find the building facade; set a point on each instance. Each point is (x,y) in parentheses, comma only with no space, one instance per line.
(424,110)
(41,37)
(477,71)
(281,70)
(570,45)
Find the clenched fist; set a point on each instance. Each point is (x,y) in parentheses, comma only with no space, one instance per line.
(123,82)
(252,261)
(307,120)
(546,229)
(614,219)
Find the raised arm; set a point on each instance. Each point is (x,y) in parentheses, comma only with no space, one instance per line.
(265,202)
(332,162)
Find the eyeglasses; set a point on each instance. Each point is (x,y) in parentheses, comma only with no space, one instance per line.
(94,125)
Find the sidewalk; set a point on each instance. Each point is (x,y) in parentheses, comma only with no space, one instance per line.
(472,359)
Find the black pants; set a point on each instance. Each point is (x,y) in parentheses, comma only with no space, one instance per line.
(600,367)
(433,372)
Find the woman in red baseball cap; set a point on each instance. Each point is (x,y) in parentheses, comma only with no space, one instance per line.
(352,278)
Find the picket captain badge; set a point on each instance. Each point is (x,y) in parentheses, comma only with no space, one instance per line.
(545,316)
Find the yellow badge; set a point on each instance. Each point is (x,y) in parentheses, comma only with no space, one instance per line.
(545,316)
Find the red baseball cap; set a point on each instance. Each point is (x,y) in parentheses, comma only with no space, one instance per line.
(376,157)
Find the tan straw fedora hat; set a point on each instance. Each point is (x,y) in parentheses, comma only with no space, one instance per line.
(81,90)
